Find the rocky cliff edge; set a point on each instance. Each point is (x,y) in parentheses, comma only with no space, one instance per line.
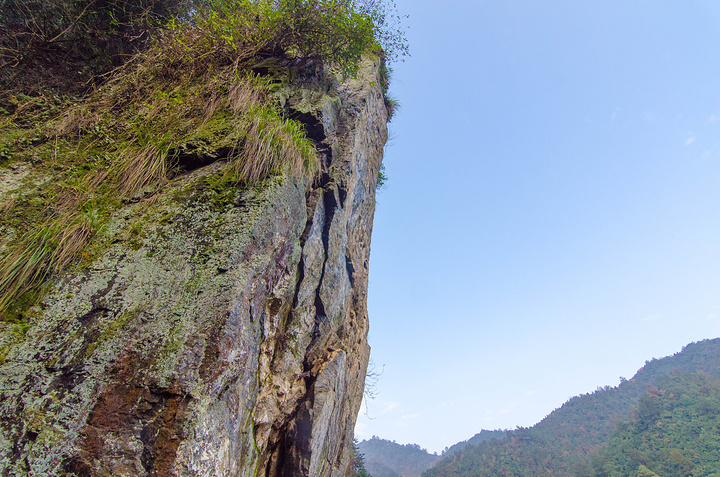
(222,330)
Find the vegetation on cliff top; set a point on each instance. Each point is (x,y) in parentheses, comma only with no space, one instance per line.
(187,84)
(67,45)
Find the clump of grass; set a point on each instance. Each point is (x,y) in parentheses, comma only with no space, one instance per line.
(391,105)
(270,143)
(138,169)
(46,250)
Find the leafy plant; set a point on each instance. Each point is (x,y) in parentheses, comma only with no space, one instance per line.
(382,177)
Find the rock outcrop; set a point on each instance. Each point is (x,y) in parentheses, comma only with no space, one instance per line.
(220,331)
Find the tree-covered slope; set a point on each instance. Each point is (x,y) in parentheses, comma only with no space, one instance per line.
(674,432)
(384,458)
(565,439)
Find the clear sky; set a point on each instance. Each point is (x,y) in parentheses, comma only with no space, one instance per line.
(552,216)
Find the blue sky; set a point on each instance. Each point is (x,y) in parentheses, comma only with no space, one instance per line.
(551,219)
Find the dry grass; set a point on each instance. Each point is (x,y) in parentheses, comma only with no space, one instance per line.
(138,169)
(243,95)
(73,121)
(48,250)
(271,143)
(73,239)
(24,267)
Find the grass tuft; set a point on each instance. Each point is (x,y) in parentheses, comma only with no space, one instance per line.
(138,169)
(392,105)
(269,143)
(47,250)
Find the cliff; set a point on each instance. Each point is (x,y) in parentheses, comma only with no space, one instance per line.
(211,329)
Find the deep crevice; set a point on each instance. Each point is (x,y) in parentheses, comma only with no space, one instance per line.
(350,270)
(331,206)
(311,204)
(342,194)
(321,180)
(314,128)
(288,453)
(315,131)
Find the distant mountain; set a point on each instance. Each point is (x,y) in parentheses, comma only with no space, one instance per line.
(388,459)
(563,442)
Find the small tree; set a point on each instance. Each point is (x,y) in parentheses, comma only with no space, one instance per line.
(358,462)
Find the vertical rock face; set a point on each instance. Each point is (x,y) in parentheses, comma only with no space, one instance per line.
(221,332)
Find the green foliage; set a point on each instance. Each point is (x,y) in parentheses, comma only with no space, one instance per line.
(674,432)
(389,31)
(479,438)
(332,31)
(565,442)
(382,177)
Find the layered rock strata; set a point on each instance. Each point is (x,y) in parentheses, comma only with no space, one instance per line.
(221,331)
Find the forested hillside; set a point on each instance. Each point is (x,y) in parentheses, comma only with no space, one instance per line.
(384,458)
(674,432)
(562,443)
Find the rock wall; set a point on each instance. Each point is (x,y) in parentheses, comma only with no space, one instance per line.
(222,331)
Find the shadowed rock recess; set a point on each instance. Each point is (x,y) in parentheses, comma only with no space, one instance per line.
(227,336)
